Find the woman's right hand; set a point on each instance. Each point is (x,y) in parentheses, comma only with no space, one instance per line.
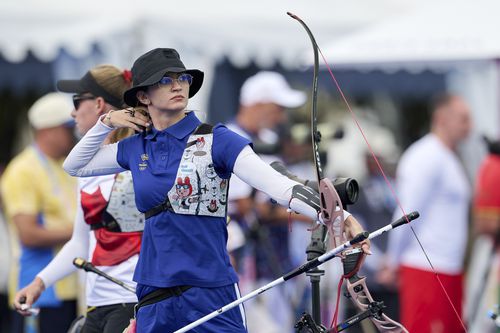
(25,297)
(134,118)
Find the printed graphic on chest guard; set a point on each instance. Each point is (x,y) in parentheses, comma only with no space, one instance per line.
(121,204)
(198,189)
(187,166)
(183,190)
(200,144)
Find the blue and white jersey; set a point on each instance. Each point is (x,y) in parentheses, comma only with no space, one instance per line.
(178,249)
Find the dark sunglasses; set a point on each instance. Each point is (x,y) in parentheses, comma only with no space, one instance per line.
(186,187)
(183,79)
(77,99)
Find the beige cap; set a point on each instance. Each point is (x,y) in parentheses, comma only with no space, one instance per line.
(51,110)
(270,87)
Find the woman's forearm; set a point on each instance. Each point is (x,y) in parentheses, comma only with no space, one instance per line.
(90,158)
(260,175)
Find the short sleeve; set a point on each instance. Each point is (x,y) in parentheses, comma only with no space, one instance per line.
(226,147)
(19,192)
(122,156)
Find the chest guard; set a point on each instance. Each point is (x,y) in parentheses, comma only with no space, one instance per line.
(121,214)
(198,190)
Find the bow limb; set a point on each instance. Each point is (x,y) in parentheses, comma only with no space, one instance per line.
(361,297)
(363,300)
(332,212)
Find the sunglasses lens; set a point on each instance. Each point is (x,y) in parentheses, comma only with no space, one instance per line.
(77,99)
(76,102)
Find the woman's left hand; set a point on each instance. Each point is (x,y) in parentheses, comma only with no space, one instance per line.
(351,229)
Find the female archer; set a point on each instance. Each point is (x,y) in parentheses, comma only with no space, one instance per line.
(184,271)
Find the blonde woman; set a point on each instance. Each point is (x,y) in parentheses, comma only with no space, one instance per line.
(108,227)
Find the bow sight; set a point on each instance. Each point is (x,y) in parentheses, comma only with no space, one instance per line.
(347,188)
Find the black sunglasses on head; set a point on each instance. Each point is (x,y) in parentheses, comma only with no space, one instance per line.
(77,99)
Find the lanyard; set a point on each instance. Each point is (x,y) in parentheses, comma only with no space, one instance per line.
(57,189)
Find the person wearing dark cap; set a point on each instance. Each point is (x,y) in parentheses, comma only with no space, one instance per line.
(181,169)
(108,227)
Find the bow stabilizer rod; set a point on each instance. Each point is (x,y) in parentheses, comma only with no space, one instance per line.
(88,267)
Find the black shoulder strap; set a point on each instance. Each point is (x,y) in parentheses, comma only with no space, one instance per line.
(203,129)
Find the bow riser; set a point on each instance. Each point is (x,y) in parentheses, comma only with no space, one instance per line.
(332,211)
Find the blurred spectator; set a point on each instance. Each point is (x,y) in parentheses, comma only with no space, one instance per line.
(487,195)
(297,157)
(5,261)
(40,201)
(374,209)
(486,218)
(263,99)
(296,154)
(431,179)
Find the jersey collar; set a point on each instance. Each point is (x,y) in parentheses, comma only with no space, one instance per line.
(180,129)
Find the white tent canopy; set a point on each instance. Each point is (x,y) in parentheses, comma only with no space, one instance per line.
(242,30)
(458,38)
(363,31)
(202,31)
(438,31)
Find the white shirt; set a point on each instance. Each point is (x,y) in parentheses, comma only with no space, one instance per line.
(431,180)
(99,291)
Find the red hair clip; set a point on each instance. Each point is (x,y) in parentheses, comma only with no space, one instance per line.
(127,75)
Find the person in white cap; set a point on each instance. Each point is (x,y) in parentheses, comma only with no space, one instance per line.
(40,201)
(264,98)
